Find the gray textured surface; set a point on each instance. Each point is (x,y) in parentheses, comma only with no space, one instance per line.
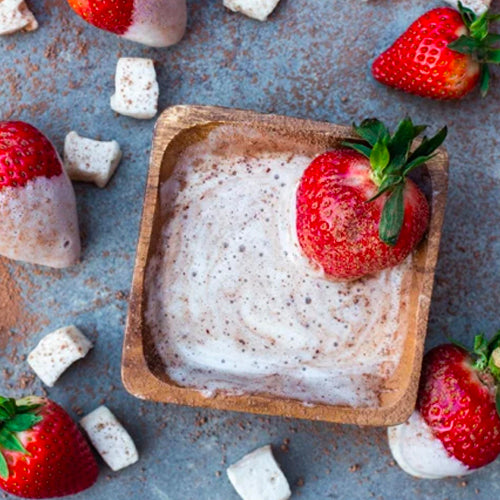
(310,60)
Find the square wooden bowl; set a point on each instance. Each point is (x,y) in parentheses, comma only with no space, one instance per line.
(143,372)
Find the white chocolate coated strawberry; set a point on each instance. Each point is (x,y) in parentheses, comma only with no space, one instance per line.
(38,219)
(157,23)
(419,453)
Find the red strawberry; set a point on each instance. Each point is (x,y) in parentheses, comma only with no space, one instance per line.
(458,410)
(38,221)
(442,55)
(357,213)
(158,23)
(114,16)
(43,454)
(25,153)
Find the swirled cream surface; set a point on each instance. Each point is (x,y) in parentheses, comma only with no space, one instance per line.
(232,305)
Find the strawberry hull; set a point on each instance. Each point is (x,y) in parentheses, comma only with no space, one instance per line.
(38,223)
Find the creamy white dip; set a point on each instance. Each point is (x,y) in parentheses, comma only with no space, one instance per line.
(233,305)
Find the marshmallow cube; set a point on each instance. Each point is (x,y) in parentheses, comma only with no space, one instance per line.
(257,476)
(56,352)
(109,438)
(257,9)
(478,6)
(137,90)
(88,160)
(15,16)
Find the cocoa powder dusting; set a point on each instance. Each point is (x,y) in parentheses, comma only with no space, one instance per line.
(10,304)
(15,319)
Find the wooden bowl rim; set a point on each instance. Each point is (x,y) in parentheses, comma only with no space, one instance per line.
(137,376)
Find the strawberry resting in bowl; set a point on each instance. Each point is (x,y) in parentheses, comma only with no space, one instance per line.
(357,211)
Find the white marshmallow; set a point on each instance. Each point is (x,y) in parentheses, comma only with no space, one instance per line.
(109,438)
(137,90)
(89,160)
(478,6)
(419,453)
(257,476)
(15,16)
(57,351)
(257,9)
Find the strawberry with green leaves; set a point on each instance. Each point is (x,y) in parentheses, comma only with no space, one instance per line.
(357,212)
(456,426)
(443,55)
(43,454)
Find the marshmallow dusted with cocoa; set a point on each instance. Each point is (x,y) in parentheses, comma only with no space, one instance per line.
(15,16)
(57,351)
(88,160)
(256,9)
(137,91)
(257,476)
(110,438)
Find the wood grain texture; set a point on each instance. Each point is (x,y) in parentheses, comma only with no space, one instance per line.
(142,372)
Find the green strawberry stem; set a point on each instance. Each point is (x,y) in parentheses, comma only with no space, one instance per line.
(487,355)
(14,419)
(391,161)
(494,366)
(479,43)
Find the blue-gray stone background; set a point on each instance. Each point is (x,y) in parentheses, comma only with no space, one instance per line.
(311,60)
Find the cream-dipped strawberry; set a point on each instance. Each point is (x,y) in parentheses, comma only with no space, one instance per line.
(455,428)
(38,219)
(157,23)
(357,212)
